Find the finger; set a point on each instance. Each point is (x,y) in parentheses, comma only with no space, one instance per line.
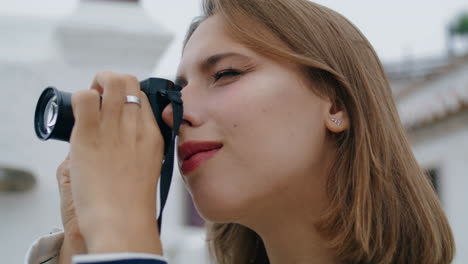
(148,120)
(131,112)
(111,86)
(150,133)
(168,115)
(85,106)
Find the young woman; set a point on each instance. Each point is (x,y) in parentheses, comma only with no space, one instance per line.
(291,148)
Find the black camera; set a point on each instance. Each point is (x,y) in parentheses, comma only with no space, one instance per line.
(54,119)
(54,115)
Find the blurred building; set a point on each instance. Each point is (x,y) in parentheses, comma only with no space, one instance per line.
(432,98)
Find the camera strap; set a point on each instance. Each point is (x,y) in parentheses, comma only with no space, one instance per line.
(168,165)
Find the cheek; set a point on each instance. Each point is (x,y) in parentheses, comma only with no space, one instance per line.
(272,135)
(283,144)
(273,117)
(273,138)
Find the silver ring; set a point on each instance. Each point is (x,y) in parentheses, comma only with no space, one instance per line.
(131,99)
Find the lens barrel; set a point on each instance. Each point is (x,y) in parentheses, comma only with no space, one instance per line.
(53,118)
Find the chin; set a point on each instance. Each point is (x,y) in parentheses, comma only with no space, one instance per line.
(217,206)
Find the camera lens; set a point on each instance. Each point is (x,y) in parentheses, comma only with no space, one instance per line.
(54,118)
(50,115)
(54,115)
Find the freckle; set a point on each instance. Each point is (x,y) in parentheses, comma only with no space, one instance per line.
(235,125)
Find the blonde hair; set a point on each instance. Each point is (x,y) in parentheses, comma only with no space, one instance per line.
(381,206)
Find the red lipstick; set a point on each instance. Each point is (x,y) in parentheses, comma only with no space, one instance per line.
(193,153)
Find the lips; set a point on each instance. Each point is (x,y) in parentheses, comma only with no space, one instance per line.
(192,154)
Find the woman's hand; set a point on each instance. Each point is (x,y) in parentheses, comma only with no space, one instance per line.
(116,155)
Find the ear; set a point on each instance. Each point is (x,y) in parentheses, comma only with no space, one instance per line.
(336,119)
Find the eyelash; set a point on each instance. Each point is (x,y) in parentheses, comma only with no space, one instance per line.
(226,73)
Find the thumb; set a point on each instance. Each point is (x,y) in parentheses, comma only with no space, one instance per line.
(66,200)
(63,175)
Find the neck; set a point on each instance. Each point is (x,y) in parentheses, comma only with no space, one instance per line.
(294,240)
(286,222)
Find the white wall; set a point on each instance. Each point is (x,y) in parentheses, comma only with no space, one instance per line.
(449,153)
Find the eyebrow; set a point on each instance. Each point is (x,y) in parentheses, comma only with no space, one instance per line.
(207,64)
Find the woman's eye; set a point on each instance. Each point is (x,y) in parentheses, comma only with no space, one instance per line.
(226,73)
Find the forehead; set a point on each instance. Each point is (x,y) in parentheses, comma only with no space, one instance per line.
(209,38)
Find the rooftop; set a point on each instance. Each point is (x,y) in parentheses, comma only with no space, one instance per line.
(428,90)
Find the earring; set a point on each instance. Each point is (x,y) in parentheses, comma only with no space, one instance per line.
(336,121)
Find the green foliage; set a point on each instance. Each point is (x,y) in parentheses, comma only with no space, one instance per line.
(460,27)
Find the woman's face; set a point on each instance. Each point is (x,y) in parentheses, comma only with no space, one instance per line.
(269,122)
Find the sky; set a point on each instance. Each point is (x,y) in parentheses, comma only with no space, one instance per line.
(397,29)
